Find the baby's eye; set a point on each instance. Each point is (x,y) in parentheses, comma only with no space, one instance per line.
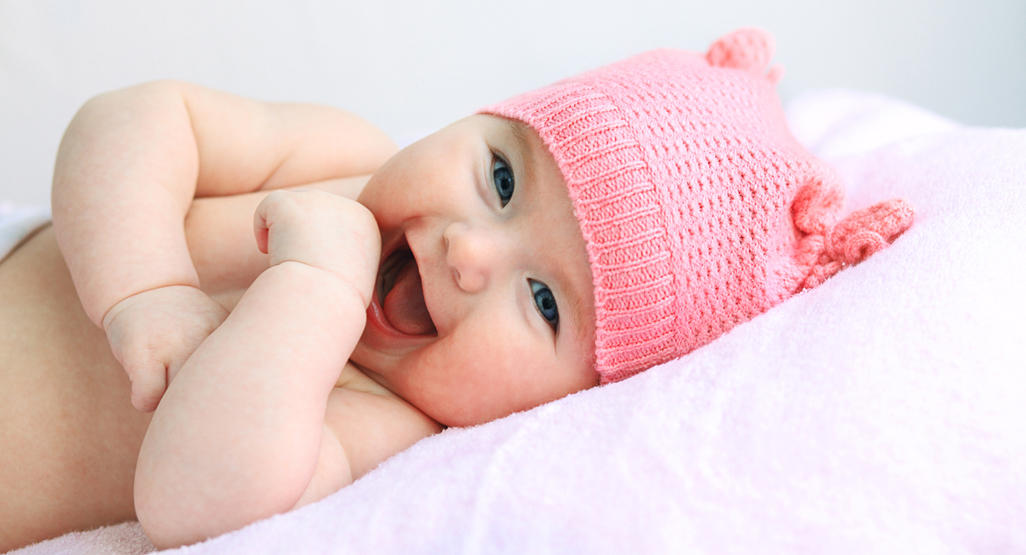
(545,301)
(502,179)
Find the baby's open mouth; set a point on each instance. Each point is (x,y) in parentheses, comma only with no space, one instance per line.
(401,294)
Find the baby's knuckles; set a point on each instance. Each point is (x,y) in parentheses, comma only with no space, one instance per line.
(326,231)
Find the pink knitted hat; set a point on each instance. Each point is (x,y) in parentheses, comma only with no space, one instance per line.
(698,207)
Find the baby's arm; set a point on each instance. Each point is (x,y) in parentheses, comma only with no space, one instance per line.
(241,433)
(127,170)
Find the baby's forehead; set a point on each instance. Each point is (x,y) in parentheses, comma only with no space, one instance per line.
(516,129)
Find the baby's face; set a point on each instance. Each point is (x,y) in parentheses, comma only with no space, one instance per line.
(483,303)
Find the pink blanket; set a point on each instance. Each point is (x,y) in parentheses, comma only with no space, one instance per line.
(882,411)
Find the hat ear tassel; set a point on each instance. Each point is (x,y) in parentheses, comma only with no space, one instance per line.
(826,247)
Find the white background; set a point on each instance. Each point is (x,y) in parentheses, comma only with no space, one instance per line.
(411,67)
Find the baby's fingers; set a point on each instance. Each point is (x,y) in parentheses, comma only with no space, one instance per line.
(260,231)
(149,380)
(265,216)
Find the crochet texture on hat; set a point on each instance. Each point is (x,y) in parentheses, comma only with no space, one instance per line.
(698,207)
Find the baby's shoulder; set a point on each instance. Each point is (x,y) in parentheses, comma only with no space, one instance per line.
(372,423)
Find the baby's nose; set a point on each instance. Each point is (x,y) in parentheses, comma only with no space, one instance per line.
(473,255)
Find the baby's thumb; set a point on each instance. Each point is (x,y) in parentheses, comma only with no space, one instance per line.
(148,385)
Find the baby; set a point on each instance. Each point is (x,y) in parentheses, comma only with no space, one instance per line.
(568,237)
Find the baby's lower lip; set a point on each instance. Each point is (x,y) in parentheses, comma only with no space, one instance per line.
(376,319)
(380,325)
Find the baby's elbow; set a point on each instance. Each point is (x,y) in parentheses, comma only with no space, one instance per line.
(117,99)
(160,536)
(165,519)
(176,510)
(106,111)
(161,525)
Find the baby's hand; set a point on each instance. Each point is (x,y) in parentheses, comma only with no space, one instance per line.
(322,230)
(153,333)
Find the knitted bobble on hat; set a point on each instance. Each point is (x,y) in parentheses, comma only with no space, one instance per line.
(747,49)
(825,248)
(698,208)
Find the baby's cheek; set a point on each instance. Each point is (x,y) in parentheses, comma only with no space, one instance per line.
(491,364)
(486,368)
(484,363)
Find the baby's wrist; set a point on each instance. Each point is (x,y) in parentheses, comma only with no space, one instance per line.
(118,306)
(309,278)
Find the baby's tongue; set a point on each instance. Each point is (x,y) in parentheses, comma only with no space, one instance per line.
(404,304)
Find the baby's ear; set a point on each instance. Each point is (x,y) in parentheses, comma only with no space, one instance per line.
(747,49)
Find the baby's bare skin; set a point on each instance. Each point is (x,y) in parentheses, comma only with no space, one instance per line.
(71,436)
(291,396)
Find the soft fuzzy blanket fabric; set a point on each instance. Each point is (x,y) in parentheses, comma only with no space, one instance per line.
(880,412)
